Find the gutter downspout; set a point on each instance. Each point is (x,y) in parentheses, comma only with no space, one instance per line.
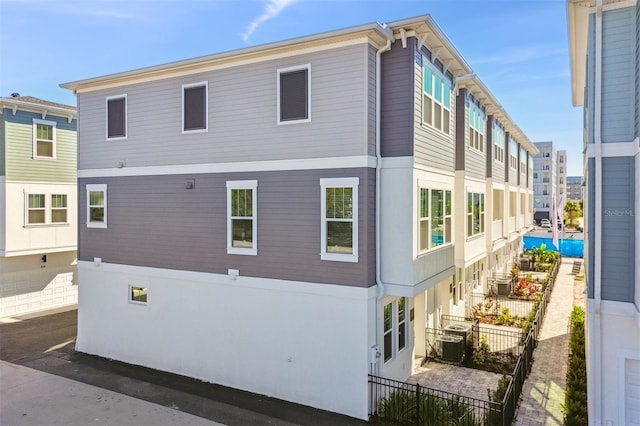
(375,361)
(595,385)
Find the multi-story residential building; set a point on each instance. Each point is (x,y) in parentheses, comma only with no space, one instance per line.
(38,226)
(605,66)
(574,188)
(293,244)
(545,179)
(562,174)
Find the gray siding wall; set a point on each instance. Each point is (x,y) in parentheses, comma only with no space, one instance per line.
(618,60)
(637,51)
(590,82)
(242,122)
(153,221)
(461,128)
(371,104)
(397,102)
(432,148)
(618,229)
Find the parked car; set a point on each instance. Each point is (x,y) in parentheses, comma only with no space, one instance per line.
(545,223)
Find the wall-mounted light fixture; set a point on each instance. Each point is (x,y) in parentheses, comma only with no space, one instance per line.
(190,184)
(44,258)
(122,164)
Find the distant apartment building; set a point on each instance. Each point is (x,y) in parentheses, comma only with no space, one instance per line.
(604,38)
(38,209)
(574,188)
(545,179)
(562,173)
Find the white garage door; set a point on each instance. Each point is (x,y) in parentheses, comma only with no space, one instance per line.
(632,391)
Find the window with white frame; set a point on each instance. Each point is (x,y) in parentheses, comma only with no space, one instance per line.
(44,139)
(475,213)
(36,209)
(523,160)
(513,154)
(195,107)
(138,294)
(117,117)
(436,99)
(58,208)
(476,126)
(294,94)
(434,218)
(242,220)
(96,206)
(395,328)
(339,222)
(498,142)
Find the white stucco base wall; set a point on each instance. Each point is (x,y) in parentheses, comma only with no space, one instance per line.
(301,342)
(29,284)
(619,353)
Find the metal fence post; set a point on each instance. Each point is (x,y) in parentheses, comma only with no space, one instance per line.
(418,420)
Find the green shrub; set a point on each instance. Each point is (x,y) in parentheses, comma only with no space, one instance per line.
(575,399)
(481,354)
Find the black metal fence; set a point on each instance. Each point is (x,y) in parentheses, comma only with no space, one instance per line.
(400,403)
(492,305)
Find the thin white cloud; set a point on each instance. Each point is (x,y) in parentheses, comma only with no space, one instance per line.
(272,9)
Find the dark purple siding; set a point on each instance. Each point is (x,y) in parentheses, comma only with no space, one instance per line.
(154,221)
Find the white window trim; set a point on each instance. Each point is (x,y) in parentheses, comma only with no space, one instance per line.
(425,60)
(430,218)
(37,121)
(480,145)
(243,184)
(338,183)
(498,149)
(130,287)
(482,215)
(206,106)
(96,187)
(287,70)
(395,329)
(48,209)
(126,117)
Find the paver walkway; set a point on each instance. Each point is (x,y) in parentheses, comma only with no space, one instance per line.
(544,389)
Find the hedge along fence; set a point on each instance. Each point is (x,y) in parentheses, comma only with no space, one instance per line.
(575,398)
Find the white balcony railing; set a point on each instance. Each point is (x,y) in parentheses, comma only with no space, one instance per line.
(497,229)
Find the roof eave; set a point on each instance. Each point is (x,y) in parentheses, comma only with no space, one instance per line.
(578,22)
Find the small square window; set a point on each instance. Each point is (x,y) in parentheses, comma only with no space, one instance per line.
(294,94)
(195,108)
(138,294)
(117,117)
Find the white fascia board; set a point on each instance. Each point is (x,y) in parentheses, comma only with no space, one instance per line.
(578,17)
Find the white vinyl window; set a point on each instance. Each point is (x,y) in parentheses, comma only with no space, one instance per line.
(436,99)
(498,144)
(475,213)
(513,154)
(242,220)
(294,94)
(36,209)
(476,126)
(395,328)
(434,218)
(58,208)
(523,161)
(195,107)
(339,222)
(96,206)
(44,139)
(117,117)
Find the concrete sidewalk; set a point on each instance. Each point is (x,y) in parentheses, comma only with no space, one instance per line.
(544,389)
(30,397)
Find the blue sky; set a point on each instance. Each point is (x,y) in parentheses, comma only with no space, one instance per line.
(518,48)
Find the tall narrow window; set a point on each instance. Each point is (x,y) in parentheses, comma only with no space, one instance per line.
(402,323)
(339,227)
(447,217)
(195,107)
(44,138)
(513,154)
(96,206)
(424,219)
(242,221)
(437,217)
(388,332)
(294,94)
(36,209)
(117,117)
(436,99)
(476,126)
(475,213)
(59,208)
(498,141)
